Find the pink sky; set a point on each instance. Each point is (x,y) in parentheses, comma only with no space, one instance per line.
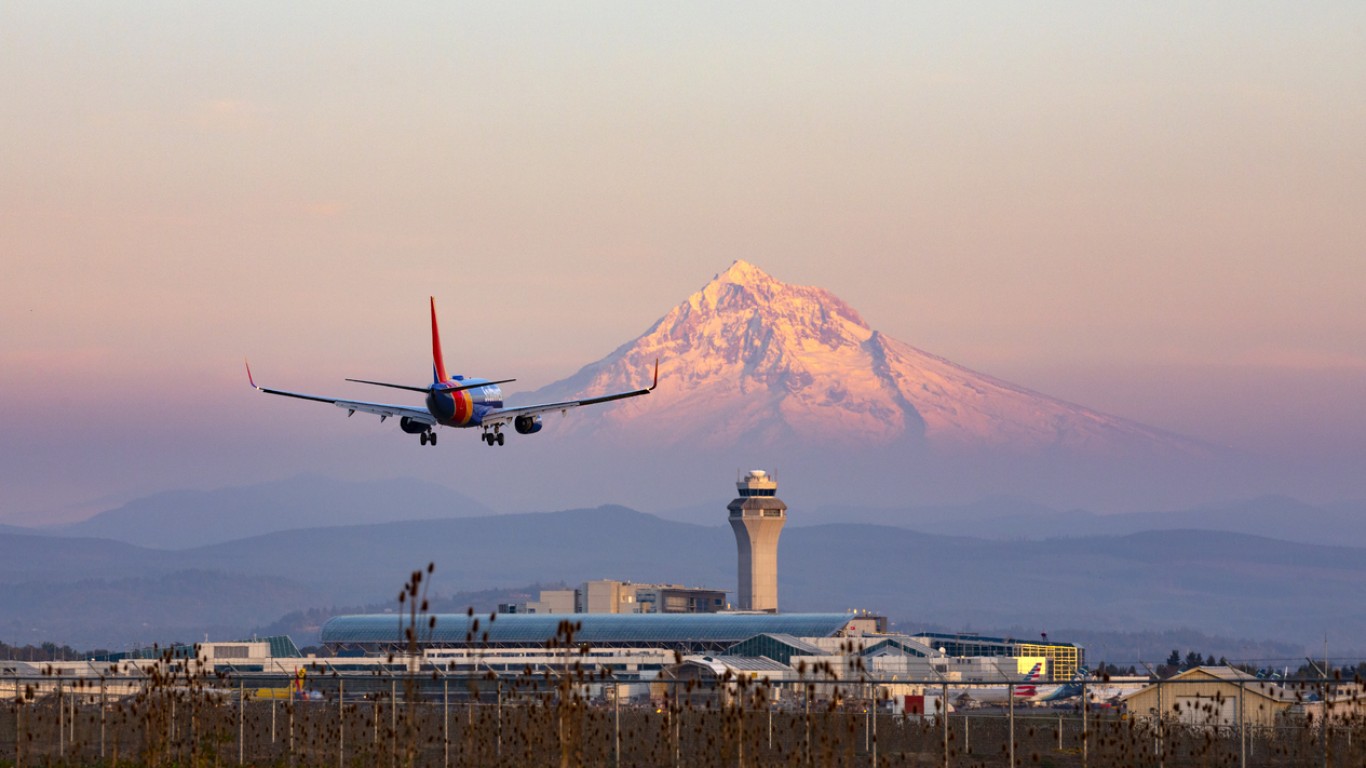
(1156,212)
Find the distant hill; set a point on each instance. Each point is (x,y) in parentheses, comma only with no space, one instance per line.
(163,608)
(184,519)
(365,563)
(1212,582)
(28,557)
(1275,517)
(1153,645)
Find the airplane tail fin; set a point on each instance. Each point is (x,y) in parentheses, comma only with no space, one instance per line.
(438,363)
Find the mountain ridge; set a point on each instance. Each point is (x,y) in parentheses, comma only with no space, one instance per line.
(181,519)
(1210,581)
(1272,516)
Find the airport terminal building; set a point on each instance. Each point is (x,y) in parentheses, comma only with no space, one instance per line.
(684,632)
(1062,660)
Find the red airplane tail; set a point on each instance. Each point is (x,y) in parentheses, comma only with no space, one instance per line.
(438,362)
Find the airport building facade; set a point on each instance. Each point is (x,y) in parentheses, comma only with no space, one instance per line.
(611,596)
(1062,661)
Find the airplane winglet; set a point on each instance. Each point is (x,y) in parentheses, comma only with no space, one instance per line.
(656,381)
(250,380)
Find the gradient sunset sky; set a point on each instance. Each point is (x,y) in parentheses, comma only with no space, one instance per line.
(1157,211)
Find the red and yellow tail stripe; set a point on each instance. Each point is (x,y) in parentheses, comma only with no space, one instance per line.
(438,362)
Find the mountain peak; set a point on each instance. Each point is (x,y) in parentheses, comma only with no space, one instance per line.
(742,272)
(748,295)
(751,359)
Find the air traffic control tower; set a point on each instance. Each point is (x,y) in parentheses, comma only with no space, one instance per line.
(757,517)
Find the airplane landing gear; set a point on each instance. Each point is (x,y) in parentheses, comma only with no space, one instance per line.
(493,437)
(427,438)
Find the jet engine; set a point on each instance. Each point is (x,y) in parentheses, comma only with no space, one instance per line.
(413,426)
(527,425)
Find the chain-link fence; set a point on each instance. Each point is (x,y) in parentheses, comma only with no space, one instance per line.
(575,720)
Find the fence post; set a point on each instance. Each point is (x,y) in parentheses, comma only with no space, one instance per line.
(18,728)
(290,711)
(341,723)
(1242,726)
(1085,705)
(1161,728)
(867,722)
(806,694)
(241,725)
(1010,704)
(944,711)
(875,727)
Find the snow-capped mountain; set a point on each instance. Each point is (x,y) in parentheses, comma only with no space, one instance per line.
(750,357)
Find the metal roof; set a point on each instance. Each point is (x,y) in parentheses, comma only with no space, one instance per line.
(601,629)
(903,644)
(779,647)
(740,664)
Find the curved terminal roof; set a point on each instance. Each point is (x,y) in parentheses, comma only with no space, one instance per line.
(598,629)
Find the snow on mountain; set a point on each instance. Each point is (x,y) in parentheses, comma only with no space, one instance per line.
(749,356)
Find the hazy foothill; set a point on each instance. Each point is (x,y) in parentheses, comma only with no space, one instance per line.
(1159,580)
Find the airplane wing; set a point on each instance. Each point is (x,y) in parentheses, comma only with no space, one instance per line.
(382,410)
(508,415)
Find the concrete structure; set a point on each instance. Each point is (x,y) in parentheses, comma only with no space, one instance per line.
(606,596)
(757,517)
(676,598)
(554,601)
(551,601)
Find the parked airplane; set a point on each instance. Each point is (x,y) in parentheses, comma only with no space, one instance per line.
(457,401)
(1025,690)
(1097,690)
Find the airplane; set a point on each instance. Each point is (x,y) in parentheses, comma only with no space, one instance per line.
(456,401)
(1098,690)
(1025,690)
